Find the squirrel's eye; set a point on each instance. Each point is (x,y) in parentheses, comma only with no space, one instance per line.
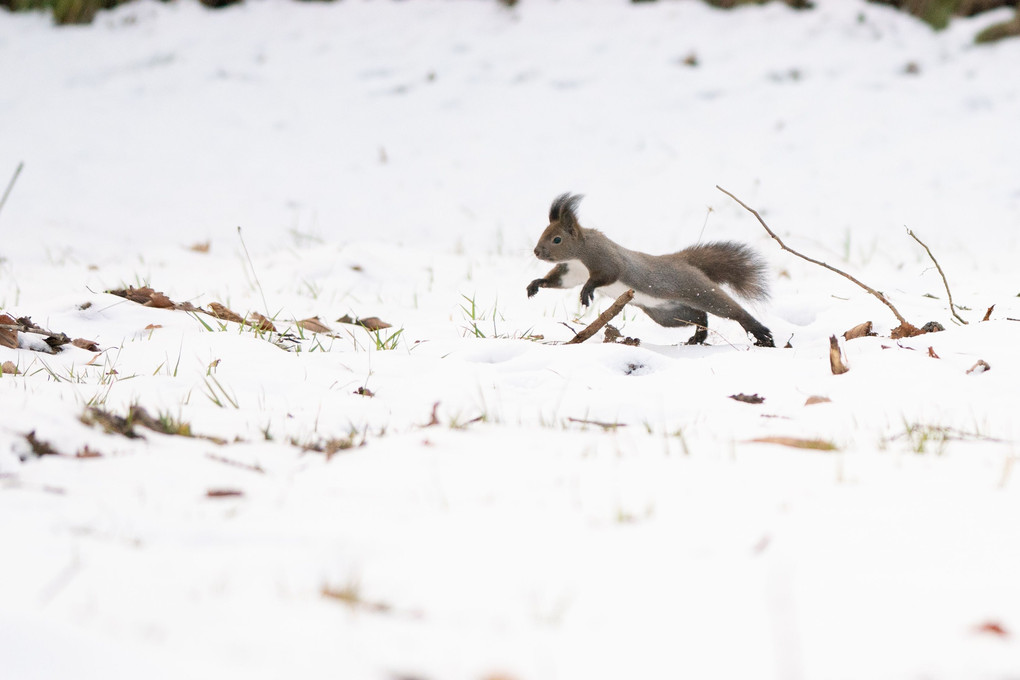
(557,239)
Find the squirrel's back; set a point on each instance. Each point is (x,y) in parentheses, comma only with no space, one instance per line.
(733,264)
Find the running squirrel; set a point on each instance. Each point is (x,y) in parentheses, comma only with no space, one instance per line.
(679,289)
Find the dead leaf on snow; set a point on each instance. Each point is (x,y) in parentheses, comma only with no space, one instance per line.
(817,399)
(980,367)
(932,354)
(9,368)
(223,493)
(992,628)
(86,452)
(798,443)
(859,331)
(40,447)
(373,323)
(89,345)
(8,336)
(988,314)
(314,325)
(221,312)
(748,398)
(202,247)
(836,363)
(259,322)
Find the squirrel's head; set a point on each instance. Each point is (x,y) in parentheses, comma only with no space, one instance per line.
(562,239)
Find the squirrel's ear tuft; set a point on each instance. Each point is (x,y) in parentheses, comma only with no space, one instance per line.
(564,210)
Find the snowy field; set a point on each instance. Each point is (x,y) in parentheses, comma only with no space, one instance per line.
(461,495)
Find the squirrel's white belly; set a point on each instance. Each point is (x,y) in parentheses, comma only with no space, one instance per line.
(577,274)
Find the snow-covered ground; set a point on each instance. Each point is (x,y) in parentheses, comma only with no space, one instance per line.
(397,160)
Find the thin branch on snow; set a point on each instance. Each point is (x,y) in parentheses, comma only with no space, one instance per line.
(905,329)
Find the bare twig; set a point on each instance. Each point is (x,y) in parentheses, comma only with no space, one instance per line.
(906,328)
(598,423)
(604,318)
(952,308)
(10,185)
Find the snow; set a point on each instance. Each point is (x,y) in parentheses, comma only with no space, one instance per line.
(583,511)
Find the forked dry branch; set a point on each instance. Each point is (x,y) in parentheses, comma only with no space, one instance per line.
(904,330)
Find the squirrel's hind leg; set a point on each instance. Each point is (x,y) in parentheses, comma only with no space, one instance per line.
(678,314)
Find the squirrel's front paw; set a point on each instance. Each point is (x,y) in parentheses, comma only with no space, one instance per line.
(587,295)
(533,287)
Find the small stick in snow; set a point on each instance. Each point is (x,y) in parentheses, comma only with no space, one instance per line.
(604,318)
(988,314)
(604,426)
(905,329)
(952,308)
(836,362)
(10,185)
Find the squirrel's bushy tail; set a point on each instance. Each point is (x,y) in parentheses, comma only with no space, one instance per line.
(733,264)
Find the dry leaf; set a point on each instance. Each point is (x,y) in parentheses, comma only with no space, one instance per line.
(9,368)
(980,367)
(859,331)
(365,392)
(932,354)
(86,452)
(202,247)
(153,326)
(748,398)
(223,493)
(314,325)
(992,628)
(8,336)
(816,399)
(160,301)
(905,330)
(89,345)
(988,314)
(221,312)
(798,443)
(259,322)
(373,323)
(836,362)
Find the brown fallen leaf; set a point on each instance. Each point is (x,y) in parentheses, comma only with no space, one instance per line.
(9,368)
(932,354)
(859,331)
(314,325)
(89,345)
(905,330)
(160,301)
(153,326)
(86,452)
(40,447)
(988,314)
(992,628)
(221,312)
(202,247)
(836,363)
(365,392)
(980,367)
(373,323)
(817,399)
(223,493)
(259,322)
(798,443)
(748,398)
(8,336)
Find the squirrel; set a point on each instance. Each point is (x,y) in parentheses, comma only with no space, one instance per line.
(678,289)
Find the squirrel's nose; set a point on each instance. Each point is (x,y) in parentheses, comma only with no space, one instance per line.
(537,254)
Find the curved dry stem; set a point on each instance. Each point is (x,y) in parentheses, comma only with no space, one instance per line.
(906,327)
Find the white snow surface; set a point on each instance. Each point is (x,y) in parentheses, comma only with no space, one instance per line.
(397,159)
